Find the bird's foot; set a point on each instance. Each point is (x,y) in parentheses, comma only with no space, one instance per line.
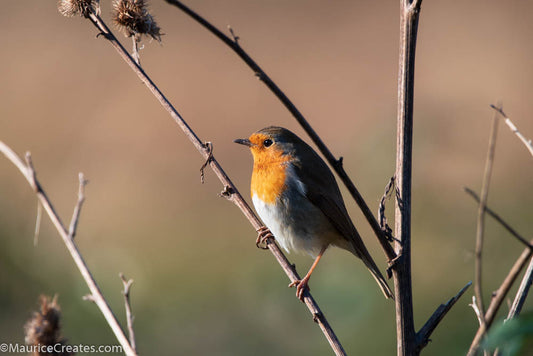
(263,236)
(301,286)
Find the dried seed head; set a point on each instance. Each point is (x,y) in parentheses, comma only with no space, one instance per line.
(72,8)
(132,17)
(44,326)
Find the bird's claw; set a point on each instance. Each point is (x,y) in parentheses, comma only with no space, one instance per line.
(301,286)
(263,235)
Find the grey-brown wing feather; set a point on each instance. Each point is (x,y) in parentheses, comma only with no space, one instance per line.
(322,190)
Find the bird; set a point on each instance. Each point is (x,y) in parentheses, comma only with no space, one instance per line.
(298,199)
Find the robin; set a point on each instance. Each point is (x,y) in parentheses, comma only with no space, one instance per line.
(297,197)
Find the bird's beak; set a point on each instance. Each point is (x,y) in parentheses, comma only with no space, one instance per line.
(244,141)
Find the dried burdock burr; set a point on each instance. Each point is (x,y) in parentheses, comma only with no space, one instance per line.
(83,8)
(44,328)
(133,18)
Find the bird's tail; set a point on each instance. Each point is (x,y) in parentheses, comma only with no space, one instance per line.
(371,265)
(359,250)
(379,278)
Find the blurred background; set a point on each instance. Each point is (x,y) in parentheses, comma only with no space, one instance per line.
(201,286)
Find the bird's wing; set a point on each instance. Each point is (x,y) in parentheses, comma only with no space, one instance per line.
(321,188)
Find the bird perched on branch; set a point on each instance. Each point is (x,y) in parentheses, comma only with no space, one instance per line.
(296,195)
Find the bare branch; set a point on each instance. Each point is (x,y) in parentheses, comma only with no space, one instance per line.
(77,209)
(481,217)
(129,316)
(335,164)
(422,336)
(476,310)
(29,173)
(38,219)
(499,219)
(499,296)
(401,270)
(231,192)
(514,129)
(522,293)
(135,51)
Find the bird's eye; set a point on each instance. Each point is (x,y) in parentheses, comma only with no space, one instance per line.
(268,142)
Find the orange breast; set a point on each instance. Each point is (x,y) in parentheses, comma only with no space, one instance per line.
(268,177)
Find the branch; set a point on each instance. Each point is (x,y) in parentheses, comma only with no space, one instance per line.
(336,164)
(38,217)
(405,331)
(422,336)
(522,293)
(129,316)
(481,218)
(513,128)
(96,295)
(498,298)
(499,219)
(77,208)
(230,191)
(476,310)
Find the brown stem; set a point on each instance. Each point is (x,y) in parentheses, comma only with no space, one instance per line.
(422,336)
(522,293)
(405,331)
(498,298)
(77,209)
(230,191)
(496,217)
(514,129)
(335,163)
(481,218)
(523,290)
(96,295)
(127,304)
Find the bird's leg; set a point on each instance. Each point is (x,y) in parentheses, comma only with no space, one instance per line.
(263,235)
(302,284)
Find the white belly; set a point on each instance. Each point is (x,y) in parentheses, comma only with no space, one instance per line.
(297,225)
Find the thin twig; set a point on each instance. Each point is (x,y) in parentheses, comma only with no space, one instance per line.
(129,316)
(77,209)
(335,163)
(401,271)
(478,290)
(135,52)
(522,293)
(96,295)
(476,310)
(499,219)
(423,335)
(498,298)
(38,219)
(514,129)
(230,191)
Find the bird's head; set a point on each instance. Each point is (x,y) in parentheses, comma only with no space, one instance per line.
(272,144)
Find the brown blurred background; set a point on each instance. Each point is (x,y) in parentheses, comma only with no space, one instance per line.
(201,286)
